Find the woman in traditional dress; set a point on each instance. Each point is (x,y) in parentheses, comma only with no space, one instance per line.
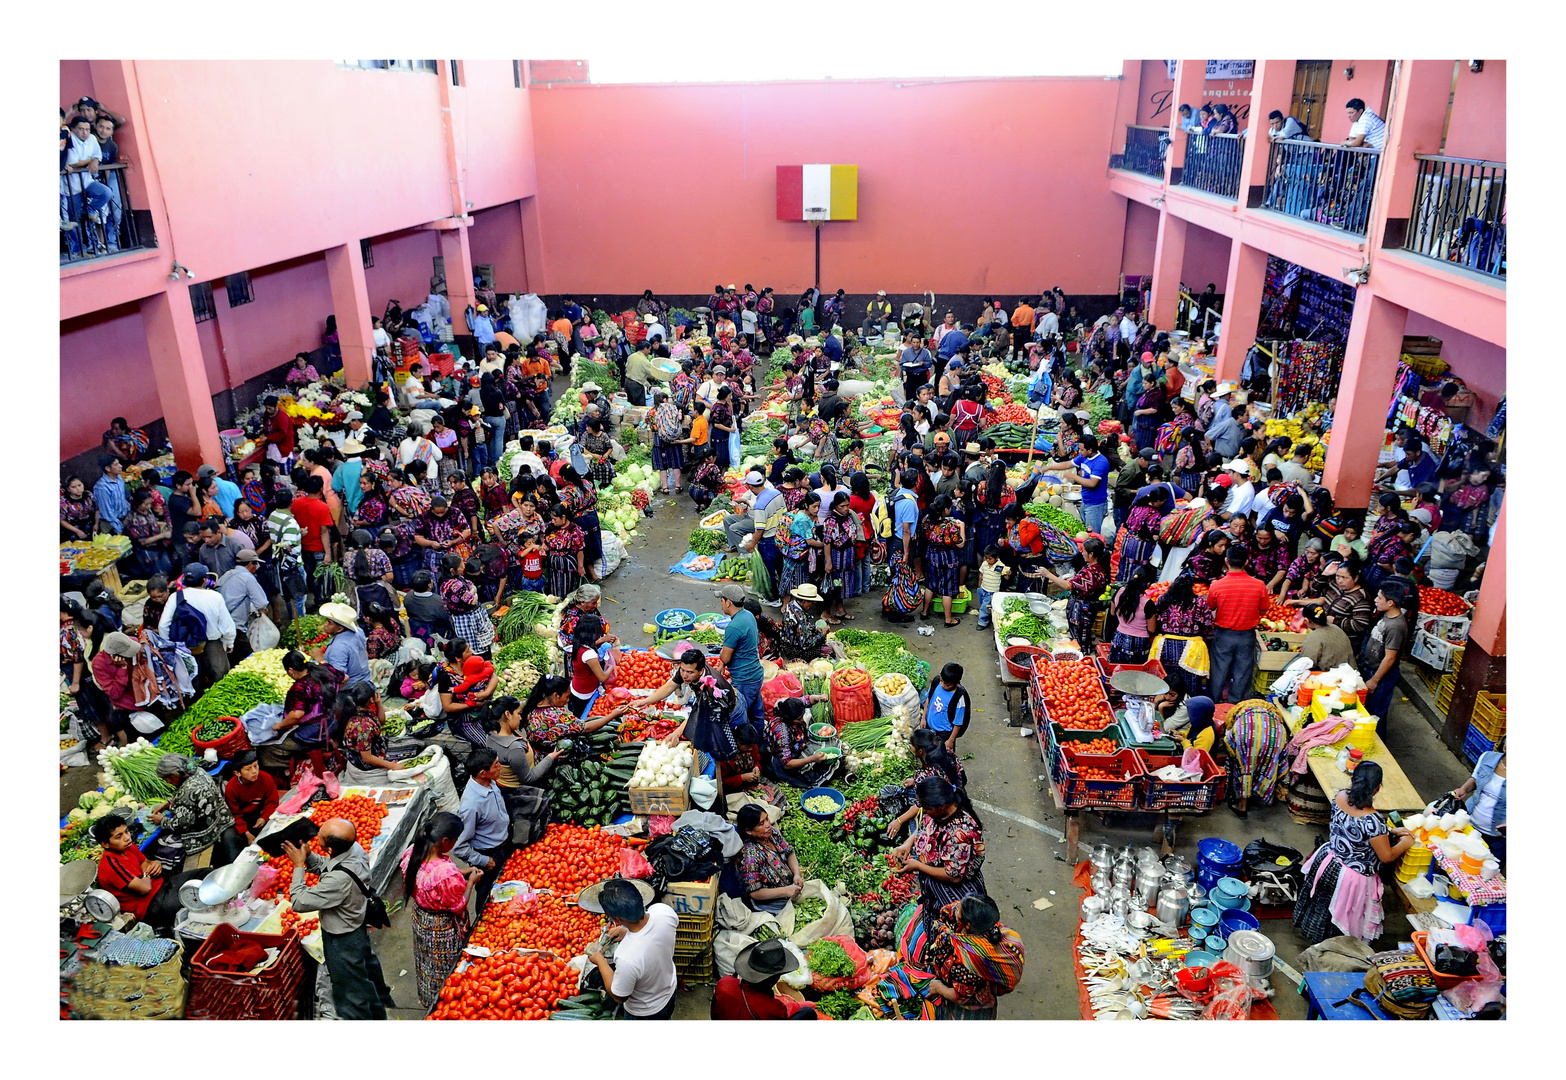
(1255,734)
(440,903)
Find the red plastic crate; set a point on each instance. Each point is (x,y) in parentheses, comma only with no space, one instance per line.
(1077,792)
(1156,794)
(227,995)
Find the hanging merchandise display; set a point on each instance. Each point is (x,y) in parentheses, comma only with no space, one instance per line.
(1309,372)
(1298,303)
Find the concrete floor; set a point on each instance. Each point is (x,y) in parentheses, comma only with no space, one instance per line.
(1025,857)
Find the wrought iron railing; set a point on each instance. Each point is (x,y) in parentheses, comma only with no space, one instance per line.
(1459,213)
(1325,183)
(1145,150)
(1212,164)
(96,217)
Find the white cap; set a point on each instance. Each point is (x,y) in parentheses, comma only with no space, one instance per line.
(755,478)
(1239,466)
(881,293)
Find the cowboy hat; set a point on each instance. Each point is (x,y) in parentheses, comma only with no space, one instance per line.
(761,960)
(341,614)
(587,899)
(649,318)
(592,388)
(806,591)
(1224,389)
(353,446)
(972,448)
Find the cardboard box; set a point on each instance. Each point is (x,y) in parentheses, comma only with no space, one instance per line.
(692,897)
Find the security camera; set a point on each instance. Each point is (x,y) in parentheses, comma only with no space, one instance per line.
(1348,72)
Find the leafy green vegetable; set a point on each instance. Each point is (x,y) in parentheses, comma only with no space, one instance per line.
(707,541)
(808,911)
(525,610)
(532,648)
(829,959)
(233,695)
(301,631)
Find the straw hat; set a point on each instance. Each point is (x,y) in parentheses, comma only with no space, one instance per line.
(341,614)
(806,591)
(587,899)
(353,446)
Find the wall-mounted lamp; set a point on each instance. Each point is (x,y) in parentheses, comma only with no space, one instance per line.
(1159,202)
(1348,73)
(1476,66)
(179,269)
(1357,275)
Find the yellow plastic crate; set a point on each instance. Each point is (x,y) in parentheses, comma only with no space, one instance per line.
(1444,693)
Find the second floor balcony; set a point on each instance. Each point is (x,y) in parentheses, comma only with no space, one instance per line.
(1144,153)
(1324,183)
(1459,213)
(96,217)
(1212,164)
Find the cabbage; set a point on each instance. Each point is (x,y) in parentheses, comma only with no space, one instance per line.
(90,799)
(76,816)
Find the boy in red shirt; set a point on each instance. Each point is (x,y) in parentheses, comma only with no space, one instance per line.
(532,566)
(136,881)
(315,524)
(251,795)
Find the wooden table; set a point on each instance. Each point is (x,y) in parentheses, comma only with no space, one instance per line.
(1397,791)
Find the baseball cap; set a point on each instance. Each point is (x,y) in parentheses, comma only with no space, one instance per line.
(355,414)
(882,292)
(205,471)
(755,478)
(247,555)
(734,594)
(86,100)
(1147,453)
(1239,466)
(483,307)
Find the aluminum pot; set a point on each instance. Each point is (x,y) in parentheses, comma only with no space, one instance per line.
(1102,857)
(1252,952)
(1121,907)
(1147,856)
(1124,874)
(1093,907)
(1180,868)
(1173,904)
(1101,882)
(1147,889)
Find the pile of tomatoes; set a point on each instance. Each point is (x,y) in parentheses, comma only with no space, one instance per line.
(567,859)
(1096,746)
(641,671)
(1434,601)
(547,922)
(506,986)
(1073,695)
(285,874)
(1011,413)
(1080,771)
(295,923)
(366,815)
(1278,611)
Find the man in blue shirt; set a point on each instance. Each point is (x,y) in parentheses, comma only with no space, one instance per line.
(345,481)
(483,328)
(1090,469)
(1224,432)
(951,341)
(485,841)
(345,652)
(111,495)
(225,491)
(915,361)
(905,515)
(832,346)
(741,654)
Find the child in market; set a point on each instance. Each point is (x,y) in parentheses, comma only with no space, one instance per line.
(947,708)
(476,671)
(1349,540)
(532,564)
(991,571)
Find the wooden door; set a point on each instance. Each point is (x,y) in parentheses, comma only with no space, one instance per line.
(1310,94)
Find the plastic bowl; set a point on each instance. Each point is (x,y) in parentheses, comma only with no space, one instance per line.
(675,619)
(1234,921)
(832,793)
(823,731)
(1019,659)
(1199,958)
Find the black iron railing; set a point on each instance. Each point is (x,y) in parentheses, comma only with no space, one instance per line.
(96,217)
(1212,164)
(1459,213)
(1145,149)
(1322,182)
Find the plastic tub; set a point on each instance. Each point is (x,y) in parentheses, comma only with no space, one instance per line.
(1235,920)
(833,793)
(675,619)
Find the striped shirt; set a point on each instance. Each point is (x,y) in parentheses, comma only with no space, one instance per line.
(284,531)
(1372,127)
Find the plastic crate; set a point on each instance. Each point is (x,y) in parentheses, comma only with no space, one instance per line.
(227,995)
(1108,671)
(695,970)
(1490,714)
(1263,681)
(1059,736)
(1429,676)
(1196,796)
(1444,692)
(693,934)
(1077,792)
(1492,915)
(1476,744)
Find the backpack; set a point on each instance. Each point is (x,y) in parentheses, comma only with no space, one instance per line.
(188,627)
(375,915)
(880,519)
(530,813)
(1402,984)
(1273,871)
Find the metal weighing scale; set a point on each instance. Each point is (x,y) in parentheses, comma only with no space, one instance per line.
(1139,688)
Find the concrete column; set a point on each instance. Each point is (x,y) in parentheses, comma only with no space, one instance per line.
(351,305)
(1189,86)
(1359,426)
(1419,101)
(1126,100)
(1167,261)
(1273,88)
(180,373)
(533,245)
(1489,616)
(458,257)
(1242,300)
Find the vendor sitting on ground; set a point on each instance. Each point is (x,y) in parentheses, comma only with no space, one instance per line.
(803,630)
(251,795)
(767,863)
(136,881)
(196,813)
(785,759)
(749,994)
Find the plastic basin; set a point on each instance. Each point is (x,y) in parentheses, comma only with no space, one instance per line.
(675,619)
(1235,920)
(830,792)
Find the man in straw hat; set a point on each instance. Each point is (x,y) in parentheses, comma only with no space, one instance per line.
(643,977)
(748,993)
(346,651)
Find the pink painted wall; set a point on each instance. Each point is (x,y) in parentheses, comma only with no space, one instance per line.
(1477,362)
(312,131)
(1477,128)
(1141,242)
(496,238)
(288,316)
(104,356)
(1370,82)
(1206,258)
(75,80)
(1154,103)
(403,264)
(1025,206)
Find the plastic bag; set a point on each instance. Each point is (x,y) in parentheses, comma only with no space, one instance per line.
(835,922)
(304,787)
(146,722)
(634,865)
(1191,761)
(262,632)
(726,946)
(861,975)
(261,722)
(265,878)
(908,699)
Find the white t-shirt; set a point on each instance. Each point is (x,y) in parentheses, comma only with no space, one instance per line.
(1240,499)
(1372,127)
(708,391)
(644,975)
(1049,323)
(382,338)
(747,321)
(78,151)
